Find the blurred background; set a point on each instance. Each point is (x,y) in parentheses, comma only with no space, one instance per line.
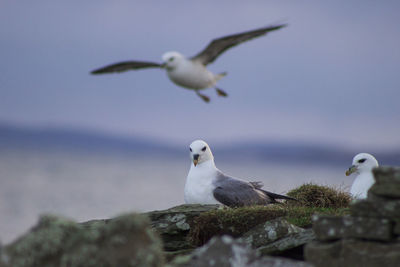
(302,100)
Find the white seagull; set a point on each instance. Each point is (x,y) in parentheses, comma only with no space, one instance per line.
(205,184)
(363,164)
(191,73)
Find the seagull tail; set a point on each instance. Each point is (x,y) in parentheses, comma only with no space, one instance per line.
(220,75)
(277,196)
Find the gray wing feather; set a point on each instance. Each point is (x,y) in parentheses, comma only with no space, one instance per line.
(220,45)
(125,66)
(236,193)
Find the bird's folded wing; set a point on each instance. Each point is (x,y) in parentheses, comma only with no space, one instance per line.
(127,65)
(220,45)
(235,193)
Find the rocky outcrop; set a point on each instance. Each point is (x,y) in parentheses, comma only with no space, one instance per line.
(369,236)
(127,240)
(174,224)
(224,251)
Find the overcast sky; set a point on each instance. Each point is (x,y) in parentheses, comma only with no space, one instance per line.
(331,76)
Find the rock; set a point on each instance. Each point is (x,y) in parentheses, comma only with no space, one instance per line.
(279,262)
(126,240)
(224,251)
(387,174)
(387,182)
(376,207)
(396,228)
(174,224)
(332,228)
(347,252)
(269,231)
(287,243)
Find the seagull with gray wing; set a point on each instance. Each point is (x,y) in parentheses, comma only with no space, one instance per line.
(191,73)
(206,184)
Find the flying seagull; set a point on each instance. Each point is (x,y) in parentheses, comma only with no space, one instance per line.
(206,184)
(192,73)
(363,164)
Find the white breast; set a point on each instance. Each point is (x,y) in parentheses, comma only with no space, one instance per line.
(361,185)
(199,187)
(191,75)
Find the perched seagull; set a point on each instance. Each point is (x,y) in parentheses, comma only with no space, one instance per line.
(205,184)
(192,73)
(363,164)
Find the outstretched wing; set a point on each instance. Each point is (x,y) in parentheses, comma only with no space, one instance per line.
(236,193)
(125,66)
(220,45)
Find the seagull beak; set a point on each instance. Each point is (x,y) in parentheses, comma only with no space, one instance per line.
(351,170)
(195,159)
(163,65)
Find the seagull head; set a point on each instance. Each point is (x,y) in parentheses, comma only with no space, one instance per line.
(172,60)
(362,162)
(200,152)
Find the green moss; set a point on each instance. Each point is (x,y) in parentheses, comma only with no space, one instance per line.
(311,198)
(302,215)
(231,221)
(312,195)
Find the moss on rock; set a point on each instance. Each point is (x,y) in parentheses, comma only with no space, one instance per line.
(126,240)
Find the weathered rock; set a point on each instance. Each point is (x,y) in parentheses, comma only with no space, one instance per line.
(226,252)
(387,182)
(332,228)
(269,231)
(279,262)
(174,224)
(288,242)
(376,207)
(347,252)
(126,240)
(387,174)
(396,228)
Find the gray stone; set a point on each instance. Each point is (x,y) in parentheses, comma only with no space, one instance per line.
(127,240)
(349,252)
(387,182)
(227,252)
(332,228)
(223,251)
(376,207)
(387,174)
(269,231)
(288,242)
(173,224)
(396,228)
(279,262)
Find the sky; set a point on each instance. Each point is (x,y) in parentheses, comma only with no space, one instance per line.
(331,76)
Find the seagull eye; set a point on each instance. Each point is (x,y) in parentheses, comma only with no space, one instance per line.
(361,160)
(204,149)
(190,149)
(171,59)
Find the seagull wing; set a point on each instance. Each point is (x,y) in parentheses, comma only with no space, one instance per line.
(125,66)
(220,45)
(233,192)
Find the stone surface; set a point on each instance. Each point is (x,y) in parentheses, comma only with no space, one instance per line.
(127,240)
(386,174)
(376,207)
(347,252)
(332,228)
(174,224)
(387,182)
(227,252)
(288,242)
(269,231)
(396,228)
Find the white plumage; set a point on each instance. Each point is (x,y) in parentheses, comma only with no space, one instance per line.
(362,165)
